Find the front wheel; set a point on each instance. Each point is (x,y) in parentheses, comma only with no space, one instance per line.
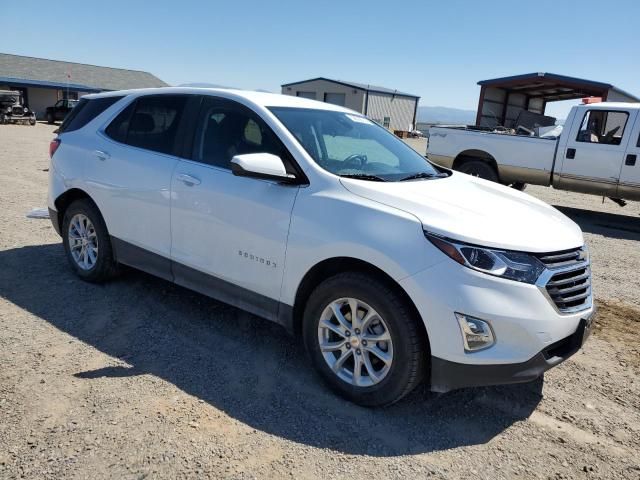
(87,242)
(364,339)
(50,118)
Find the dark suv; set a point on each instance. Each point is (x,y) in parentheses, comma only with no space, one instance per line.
(60,110)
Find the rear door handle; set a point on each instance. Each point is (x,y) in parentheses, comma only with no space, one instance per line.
(102,155)
(630,160)
(571,153)
(188,180)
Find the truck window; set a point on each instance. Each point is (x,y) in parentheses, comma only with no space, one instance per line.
(603,126)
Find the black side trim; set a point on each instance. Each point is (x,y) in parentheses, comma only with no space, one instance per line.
(204,283)
(55,220)
(446,375)
(141,259)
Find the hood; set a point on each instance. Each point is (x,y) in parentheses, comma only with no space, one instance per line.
(476,211)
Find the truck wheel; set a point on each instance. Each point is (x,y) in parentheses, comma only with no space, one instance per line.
(479,168)
(32,121)
(50,118)
(87,243)
(3,119)
(364,340)
(519,186)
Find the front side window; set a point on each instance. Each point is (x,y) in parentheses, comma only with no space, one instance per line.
(602,126)
(226,129)
(351,145)
(151,123)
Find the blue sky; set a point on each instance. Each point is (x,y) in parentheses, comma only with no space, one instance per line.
(437,50)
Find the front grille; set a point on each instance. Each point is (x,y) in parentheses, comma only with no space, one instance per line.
(569,286)
(17,111)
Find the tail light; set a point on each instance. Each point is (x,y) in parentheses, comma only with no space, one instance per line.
(53,146)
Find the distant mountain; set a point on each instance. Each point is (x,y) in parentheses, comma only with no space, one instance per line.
(203,85)
(445,115)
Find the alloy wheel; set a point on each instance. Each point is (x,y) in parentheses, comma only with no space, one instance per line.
(355,342)
(83,241)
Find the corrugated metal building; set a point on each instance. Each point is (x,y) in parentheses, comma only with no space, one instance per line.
(503,99)
(43,82)
(390,108)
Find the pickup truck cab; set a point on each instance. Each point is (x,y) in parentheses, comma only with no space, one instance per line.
(390,269)
(597,152)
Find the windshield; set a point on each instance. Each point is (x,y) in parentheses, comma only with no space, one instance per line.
(351,145)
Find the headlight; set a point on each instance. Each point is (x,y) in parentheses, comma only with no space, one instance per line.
(517,266)
(25,109)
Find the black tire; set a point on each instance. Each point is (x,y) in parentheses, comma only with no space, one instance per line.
(479,168)
(519,186)
(410,345)
(32,121)
(105,266)
(50,118)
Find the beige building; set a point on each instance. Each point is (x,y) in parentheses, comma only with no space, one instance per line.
(390,108)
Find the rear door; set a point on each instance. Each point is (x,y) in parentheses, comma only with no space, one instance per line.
(130,178)
(629,186)
(595,150)
(229,233)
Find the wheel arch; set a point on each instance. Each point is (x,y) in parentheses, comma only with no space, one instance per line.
(333,266)
(474,154)
(67,198)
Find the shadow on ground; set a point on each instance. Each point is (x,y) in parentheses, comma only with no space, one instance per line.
(611,225)
(247,367)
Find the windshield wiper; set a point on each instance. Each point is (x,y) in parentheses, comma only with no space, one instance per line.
(364,176)
(418,175)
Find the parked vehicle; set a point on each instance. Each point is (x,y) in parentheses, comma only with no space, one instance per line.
(595,153)
(60,110)
(389,268)
(13,110)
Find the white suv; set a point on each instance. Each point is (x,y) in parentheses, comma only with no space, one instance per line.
(391,269)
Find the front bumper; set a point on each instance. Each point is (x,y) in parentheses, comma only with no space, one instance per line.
(447,375)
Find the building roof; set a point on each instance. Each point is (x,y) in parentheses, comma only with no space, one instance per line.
(359,86)
(551,86)
(47,73)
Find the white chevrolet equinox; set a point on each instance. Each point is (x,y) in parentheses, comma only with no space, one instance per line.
(392,270)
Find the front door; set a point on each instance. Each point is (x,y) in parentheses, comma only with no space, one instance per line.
(229,233)
(595,151)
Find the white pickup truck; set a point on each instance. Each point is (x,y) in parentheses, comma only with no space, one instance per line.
(597,152)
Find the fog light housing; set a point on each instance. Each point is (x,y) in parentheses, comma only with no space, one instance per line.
(476,334)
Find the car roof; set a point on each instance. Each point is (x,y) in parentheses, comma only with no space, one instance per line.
(263,99)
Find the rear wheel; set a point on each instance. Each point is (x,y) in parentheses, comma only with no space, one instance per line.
(519,186)
(87,242)
(364,340)
(479,168)
(50,118)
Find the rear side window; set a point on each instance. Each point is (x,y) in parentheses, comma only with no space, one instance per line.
(85,111)
(150,122)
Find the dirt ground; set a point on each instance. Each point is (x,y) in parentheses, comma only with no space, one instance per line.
(139,378)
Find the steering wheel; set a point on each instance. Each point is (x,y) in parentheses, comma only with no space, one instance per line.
(351,160)
(609,136)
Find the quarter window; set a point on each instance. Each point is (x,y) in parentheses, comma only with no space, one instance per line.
(85,111)
(227,130)
(603,126)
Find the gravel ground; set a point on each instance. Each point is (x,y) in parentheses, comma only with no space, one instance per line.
(139,378)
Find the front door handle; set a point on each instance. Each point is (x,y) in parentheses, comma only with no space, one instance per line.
(630,160)
(102,155)
(571,153)
(188,180)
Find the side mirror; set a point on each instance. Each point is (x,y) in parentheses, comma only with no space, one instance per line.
(261,165)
